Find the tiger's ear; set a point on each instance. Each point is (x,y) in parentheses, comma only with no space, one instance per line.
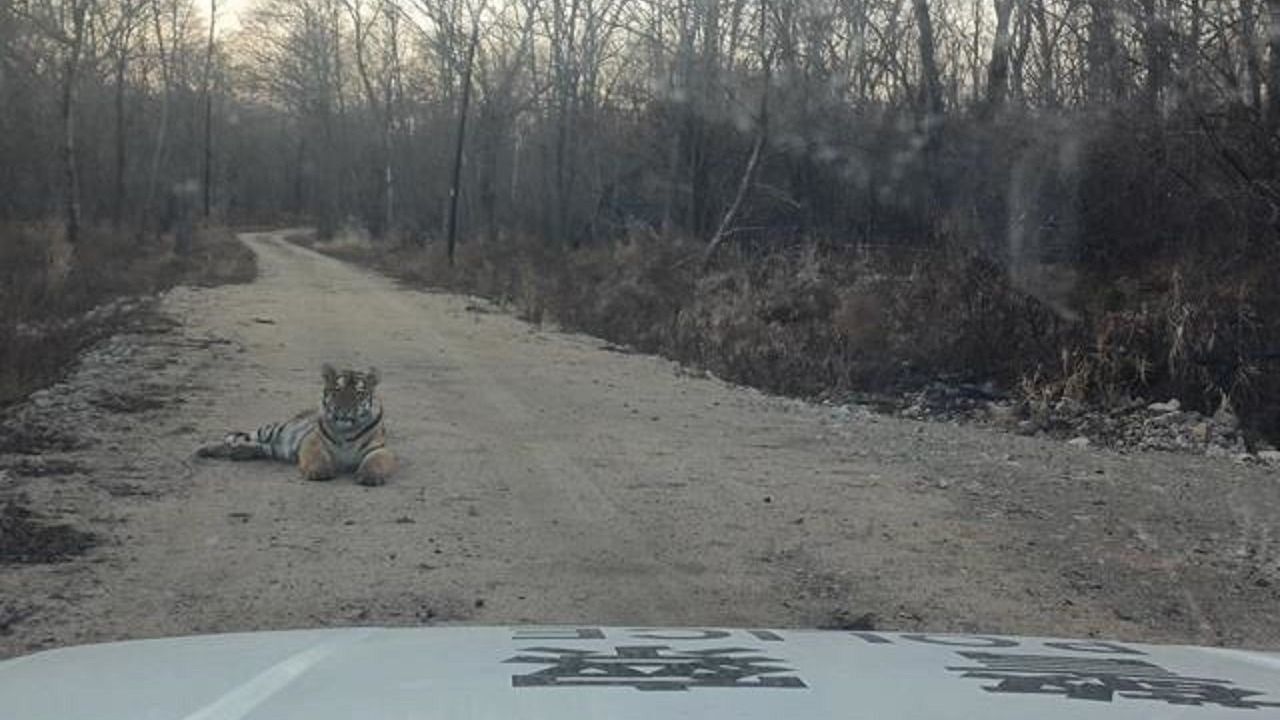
(329,374)
(371,377)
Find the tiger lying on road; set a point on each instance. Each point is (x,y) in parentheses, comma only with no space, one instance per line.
(344,435)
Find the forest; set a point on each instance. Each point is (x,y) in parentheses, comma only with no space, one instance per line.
(1075,201)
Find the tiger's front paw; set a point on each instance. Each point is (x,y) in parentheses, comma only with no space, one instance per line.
(376,467)
(318,474)
(314,461)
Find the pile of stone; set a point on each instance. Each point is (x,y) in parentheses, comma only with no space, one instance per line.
(1133,425)
(1138,425)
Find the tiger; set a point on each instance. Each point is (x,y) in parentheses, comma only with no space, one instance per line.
(344,435)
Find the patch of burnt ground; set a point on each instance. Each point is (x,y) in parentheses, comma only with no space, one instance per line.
(23,436)
(27,538)
(126,402)
(36,466)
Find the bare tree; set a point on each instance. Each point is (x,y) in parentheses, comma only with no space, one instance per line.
(1155,53)
(1273,79)
(464,110)
(1047,36)
(65,24)
(930,80)
(377,78)
(119,28)
(1105,72)
(167,23)
(70,77)
(1253,62)
(762,137)
(998,69)
(208,109)
(500,69)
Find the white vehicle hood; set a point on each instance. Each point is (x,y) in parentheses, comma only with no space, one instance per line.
(474,673)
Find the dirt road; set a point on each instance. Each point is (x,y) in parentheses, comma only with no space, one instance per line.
(548,478)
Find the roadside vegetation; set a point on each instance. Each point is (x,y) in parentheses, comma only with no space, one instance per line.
(56,299)
(879,326)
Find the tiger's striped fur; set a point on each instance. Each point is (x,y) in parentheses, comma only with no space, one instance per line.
(345,435)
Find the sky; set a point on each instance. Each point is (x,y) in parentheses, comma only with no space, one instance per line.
(229,12)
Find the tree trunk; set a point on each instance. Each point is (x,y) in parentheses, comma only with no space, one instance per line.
(930,80)
(162,129)
(388,176)
(567,71)
(933,110)
(1048,41)
(679,113)
(707,109)
(392,68)
(382,106)
(671,198)
(998,70)
(460,142)
(299,178)
(488,135)
(1154,49)
(1273,79)
(762,137)
(975,51)
(69,106)
(744,186)
(208,112)
(1253,64)
(1194,35)
(118,190)
(1105,76)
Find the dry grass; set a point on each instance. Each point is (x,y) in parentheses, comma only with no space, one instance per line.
(1187,331)
(48,287)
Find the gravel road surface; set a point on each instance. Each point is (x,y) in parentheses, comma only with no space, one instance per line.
(550,478)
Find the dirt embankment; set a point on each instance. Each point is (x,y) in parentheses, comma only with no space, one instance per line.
(549,477)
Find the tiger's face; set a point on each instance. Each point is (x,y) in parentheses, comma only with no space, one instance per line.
(348,395)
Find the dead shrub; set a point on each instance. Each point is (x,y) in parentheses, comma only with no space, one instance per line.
(860,318)
(1178,332)
(47,288)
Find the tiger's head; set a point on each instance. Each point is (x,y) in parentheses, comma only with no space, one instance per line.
(348,396)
